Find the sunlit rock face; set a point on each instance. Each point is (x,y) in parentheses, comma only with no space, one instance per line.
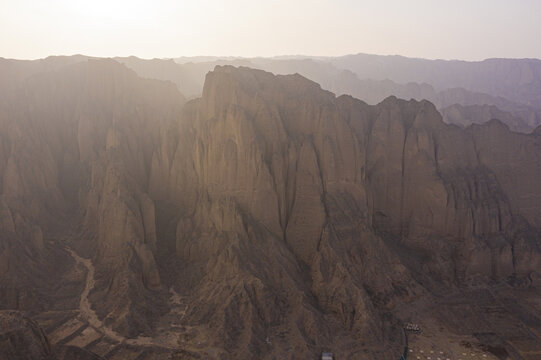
(341,188)
(291,221)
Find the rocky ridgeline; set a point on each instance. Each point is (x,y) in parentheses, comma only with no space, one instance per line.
(277,210)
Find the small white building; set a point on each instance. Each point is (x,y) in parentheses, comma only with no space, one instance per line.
(326,356)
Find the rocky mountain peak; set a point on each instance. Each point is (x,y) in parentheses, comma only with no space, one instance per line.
(264,216)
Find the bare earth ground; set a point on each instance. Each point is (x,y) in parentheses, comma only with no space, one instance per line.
(83,328)
(480,323)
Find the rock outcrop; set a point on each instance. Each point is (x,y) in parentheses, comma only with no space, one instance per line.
(77,149)
(287,220)
(345,189)
(22,339)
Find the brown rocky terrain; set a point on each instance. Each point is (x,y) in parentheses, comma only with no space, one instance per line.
(23,339)
(266,219)
(73,145)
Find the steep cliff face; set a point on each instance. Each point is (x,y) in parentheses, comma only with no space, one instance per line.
(77,148)
(265,165)
(251,150)
(409,173)
(432,188)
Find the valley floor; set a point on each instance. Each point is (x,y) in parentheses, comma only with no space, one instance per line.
(477,323)
(83,328)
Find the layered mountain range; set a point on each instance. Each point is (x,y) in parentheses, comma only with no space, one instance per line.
(266,218)
(510,86)
(513,86)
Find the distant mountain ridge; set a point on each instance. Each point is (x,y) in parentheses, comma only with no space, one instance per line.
(518,80)
(370,78)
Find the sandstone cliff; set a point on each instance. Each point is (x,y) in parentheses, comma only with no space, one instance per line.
(285,221)
(342,189)
(76,155)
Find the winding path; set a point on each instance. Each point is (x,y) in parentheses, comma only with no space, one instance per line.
(84,304)
(166,339)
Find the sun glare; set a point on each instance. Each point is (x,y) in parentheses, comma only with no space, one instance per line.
(118,12)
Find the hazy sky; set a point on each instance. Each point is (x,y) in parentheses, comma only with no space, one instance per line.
(451,29)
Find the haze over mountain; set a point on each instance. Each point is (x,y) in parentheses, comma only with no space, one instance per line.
(189,78)
(516,79)
(266,217)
